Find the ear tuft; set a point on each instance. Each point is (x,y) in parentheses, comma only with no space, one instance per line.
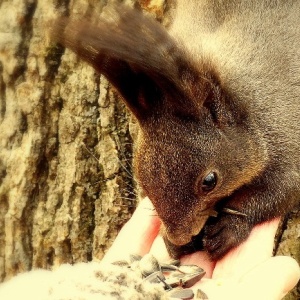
(138,57)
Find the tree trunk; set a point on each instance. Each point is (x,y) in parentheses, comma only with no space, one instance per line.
(66,185)
(288,243)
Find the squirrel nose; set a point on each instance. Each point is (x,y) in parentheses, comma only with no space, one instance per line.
(178,237)
(181,234)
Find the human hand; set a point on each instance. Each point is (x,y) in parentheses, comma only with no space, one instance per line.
(247,272)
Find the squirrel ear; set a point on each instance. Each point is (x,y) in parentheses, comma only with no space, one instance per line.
(138,57)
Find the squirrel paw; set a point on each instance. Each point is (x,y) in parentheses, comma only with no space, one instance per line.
(224,233)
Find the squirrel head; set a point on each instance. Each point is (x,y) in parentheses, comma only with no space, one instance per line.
(197,143)
(187,164)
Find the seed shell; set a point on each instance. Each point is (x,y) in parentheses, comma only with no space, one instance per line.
(184,294)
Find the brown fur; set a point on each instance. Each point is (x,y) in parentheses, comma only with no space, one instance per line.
(219,93)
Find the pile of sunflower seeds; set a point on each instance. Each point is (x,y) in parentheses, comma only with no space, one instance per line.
(175,278)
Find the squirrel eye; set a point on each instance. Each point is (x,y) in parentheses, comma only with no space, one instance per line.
(209,182)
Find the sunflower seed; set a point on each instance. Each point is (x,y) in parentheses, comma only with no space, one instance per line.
(190,279)
(176,279)
(187,269)
(134,257)
(148,265)
(200,295)
(183,294)
(156,277)
(121,263)
(169,267)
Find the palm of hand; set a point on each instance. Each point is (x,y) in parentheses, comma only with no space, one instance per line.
(247,272)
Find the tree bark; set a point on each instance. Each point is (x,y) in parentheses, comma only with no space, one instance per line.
(66,141)
(288,243)
(66,184)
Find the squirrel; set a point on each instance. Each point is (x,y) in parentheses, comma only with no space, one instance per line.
(216,97)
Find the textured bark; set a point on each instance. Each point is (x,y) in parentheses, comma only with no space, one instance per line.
(66,186)
(65,157)
(288,243)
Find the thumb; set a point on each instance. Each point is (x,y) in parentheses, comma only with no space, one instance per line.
(137,235)
(271,280)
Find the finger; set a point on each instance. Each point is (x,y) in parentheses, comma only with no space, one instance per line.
(201,259)
(159,250)
(272,279)
(137,235)
(256,249)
